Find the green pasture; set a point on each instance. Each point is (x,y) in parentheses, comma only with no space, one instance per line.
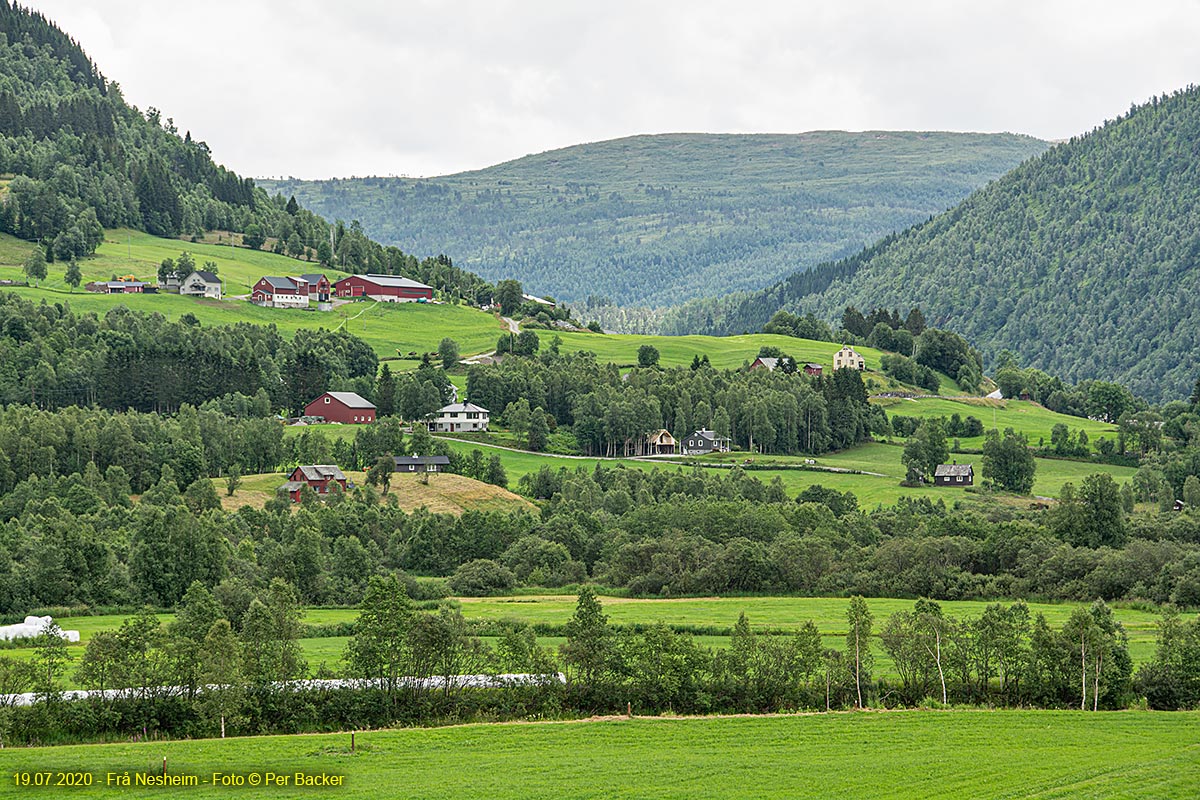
(130,252)
(389,328)
(781,614)
(907,754)
(725,352)
(1023,416)
(882,488)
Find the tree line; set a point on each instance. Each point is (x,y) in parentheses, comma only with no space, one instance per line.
(218,671)
(610,412)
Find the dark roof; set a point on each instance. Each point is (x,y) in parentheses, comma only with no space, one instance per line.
(951,470)
(313,278)
(349,399)
(278,282)
(206,276)
(422,460)
(321,472)
(709,435)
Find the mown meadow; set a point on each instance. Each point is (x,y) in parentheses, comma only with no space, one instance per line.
(905,754)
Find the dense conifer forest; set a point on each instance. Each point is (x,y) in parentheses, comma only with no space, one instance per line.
(1082,261)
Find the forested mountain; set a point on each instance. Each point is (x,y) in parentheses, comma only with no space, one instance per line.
(1084,261)
(76,158)
(654,220)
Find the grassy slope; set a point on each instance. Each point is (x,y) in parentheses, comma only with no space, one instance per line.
(1023,416)
(726,352)
(443,494)
(911,754)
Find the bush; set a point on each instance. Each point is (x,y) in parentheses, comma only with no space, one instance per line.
(481,577)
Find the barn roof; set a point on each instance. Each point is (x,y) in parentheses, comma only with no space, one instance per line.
(351,399)
(952,470)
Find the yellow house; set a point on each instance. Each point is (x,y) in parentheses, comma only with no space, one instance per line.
(847,358)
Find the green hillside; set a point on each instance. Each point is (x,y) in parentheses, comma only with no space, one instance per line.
(1084,261)
(389,328)
(653,220)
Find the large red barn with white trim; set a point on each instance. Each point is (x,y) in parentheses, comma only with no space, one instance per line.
(347,408)
(388,288)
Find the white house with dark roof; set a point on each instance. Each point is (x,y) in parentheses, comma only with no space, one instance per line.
(421,463)
(460,418)
(201,283)
(848,358)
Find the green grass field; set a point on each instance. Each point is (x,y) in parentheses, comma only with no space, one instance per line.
(129,252)
(728,352)
(765,613)
(389,328)
(880,489)
(907,754)
(1023,416)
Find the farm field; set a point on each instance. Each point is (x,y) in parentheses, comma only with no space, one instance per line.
(726,352)
(1023,416)
(871,490)
(444,493)
(783,614)
(386,327)
(130,252)
(909,754)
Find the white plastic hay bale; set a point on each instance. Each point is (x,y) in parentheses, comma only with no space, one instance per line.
(32,627)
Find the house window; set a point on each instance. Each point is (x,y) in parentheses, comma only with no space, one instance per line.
(958,478)
(326,401)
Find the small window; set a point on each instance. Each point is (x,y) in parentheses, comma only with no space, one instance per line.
(958,478)
(326,401)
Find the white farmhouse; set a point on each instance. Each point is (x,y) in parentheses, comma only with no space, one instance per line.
(460,418)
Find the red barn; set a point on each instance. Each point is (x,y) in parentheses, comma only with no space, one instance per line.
(318,477)
(318,286)
(388,288)
(345,407)
(812,369)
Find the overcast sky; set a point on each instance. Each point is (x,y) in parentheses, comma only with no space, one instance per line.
(324,89)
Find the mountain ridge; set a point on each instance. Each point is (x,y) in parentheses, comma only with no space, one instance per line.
(652,219)
(1081,261)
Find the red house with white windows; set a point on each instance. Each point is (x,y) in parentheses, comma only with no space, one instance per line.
(319,477)
(275,291)
(319,286)
(387,288)
(345,407)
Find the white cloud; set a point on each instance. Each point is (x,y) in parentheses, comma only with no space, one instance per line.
(315,89)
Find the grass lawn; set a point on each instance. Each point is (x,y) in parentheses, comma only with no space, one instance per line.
(908,754)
